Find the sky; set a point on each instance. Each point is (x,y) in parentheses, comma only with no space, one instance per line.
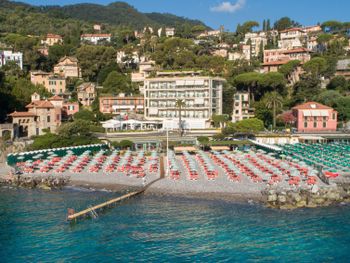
(231,12)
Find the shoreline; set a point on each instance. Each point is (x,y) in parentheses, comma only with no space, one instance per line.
(157,191)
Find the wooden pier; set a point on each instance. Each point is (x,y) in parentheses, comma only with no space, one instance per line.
(92,210)
(72,216)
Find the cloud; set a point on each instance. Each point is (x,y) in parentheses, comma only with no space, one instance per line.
(228,7)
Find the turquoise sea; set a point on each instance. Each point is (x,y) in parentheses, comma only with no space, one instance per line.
(166,229)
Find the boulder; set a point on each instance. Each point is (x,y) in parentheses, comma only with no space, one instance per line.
(282,198)
(272,198)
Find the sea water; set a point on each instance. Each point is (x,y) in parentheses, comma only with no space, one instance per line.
(166,229)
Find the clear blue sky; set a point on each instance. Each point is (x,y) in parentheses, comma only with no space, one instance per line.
(230,12)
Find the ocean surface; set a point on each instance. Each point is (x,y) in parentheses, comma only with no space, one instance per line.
(166,229)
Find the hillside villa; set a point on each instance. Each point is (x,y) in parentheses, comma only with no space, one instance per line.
(41,115)
(96,38)
(52,39)
(315,117)
(68,67)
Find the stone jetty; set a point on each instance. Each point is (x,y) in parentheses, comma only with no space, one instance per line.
(314,197)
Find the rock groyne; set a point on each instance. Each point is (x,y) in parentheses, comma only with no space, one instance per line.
(315,197)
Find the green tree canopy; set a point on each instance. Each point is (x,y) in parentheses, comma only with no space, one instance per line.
(244,126)
(316,66)
(284,23)
(116,83)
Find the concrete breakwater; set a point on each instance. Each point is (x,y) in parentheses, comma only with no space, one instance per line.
(38,181)
(315,197)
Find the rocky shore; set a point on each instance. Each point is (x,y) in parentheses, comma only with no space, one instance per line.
(315,197)
(46,182)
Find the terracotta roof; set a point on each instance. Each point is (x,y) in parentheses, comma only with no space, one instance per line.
(40,72)
(74,59)
(275,63)
(53,36)
(292,29)
(40,104)
(56,97)
(296,50)
(96,35)
(311,105)
(85,85)
(22,114)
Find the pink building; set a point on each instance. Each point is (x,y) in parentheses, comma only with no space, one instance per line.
(315,117)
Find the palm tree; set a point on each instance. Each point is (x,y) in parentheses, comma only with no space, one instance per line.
(179,104)
(273,101)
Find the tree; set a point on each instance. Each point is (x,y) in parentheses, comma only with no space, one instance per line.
(332,26)
(116,83)
(124,144)
(93,58)
(252,125)
(339,83)
(306,88)
(247,27)
(271,81)
(284,23)
(104,72)
(179,105)
(288,68)
(76,128)
(220,120)
(324,39)
(273,101)
(85,115)
(316,66)
(343,108)
(287,118)
(248,81)
(328,97)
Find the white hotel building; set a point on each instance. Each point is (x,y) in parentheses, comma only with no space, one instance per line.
(202,96)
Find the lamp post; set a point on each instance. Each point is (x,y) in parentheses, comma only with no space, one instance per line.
(167,151)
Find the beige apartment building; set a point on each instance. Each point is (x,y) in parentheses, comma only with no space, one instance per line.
(68,67)
(52,83)
(241,107)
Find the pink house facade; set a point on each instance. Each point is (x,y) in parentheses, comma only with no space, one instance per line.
(315,117)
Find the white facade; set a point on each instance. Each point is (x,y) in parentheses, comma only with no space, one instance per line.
(6,56)
(96,38)
(258,40)
(202,97)
(291,38)
(241,107)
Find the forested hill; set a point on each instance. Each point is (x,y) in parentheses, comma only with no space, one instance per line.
(115,14)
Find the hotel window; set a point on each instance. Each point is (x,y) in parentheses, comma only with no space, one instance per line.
(333,116)
(324,125)
(305,124)
(48,119)
(315,124)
